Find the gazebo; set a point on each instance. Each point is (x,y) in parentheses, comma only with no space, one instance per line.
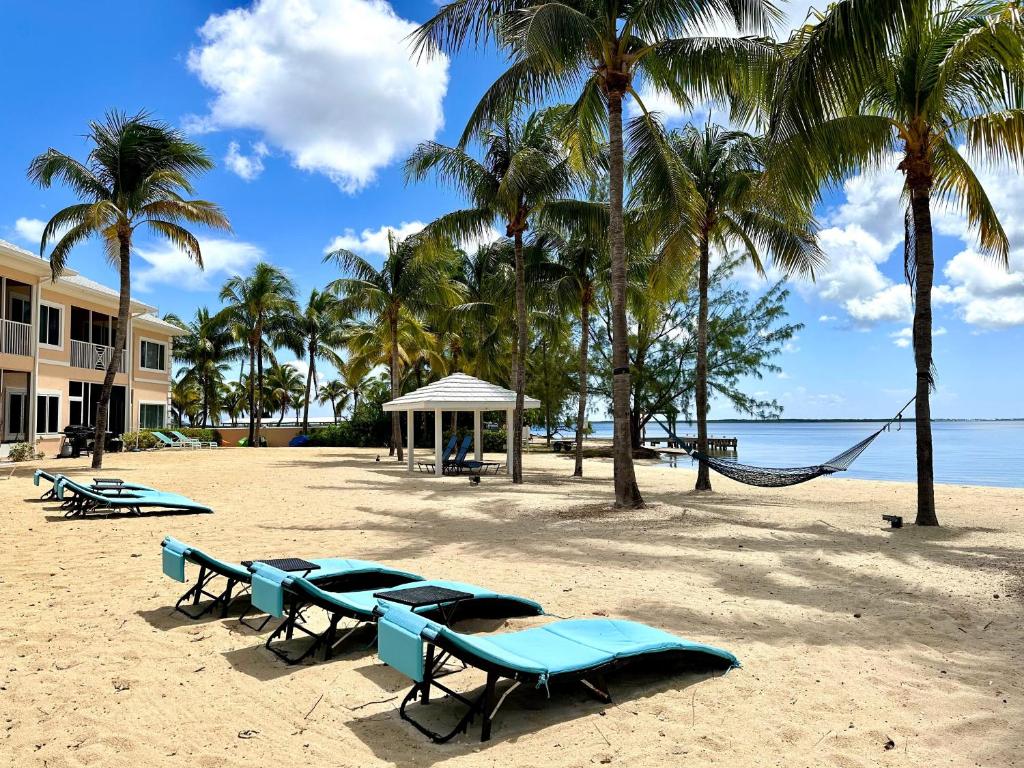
(458,392)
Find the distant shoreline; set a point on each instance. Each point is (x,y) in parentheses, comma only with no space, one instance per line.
(906,420)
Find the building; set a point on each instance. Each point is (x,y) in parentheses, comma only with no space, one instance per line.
(55,342)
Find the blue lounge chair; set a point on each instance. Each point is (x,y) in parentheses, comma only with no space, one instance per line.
(287,596)
(98,483)
(573,650)
(333,572)
(428,466)
(461,464)
(85,500)
(166,442)
(197,443)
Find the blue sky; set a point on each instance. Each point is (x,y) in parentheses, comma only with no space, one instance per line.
(309,108)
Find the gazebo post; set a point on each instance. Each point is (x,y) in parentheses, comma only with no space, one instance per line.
(478,442)
(410,424)
(509,415)
(438,448)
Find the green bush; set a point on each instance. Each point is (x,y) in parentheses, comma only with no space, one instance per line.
(23,452)
(353,434)
(145,440)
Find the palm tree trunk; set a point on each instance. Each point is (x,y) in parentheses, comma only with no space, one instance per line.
(627,493)
(252,392)
(259,386)
(120,336)
(925,264)
(309,384)
(581,412)
(396,424)
(520,380)
(701,386)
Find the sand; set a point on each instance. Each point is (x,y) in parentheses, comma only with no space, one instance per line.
(852,636)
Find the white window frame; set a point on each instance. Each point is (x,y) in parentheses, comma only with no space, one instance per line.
(60,408)
(80,399)
(39,324)
(142,358)
(162,404)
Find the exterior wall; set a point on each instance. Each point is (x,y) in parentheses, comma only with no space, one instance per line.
(277,437)
(146,392)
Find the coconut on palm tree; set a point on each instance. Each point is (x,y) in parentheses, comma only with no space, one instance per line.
(258,305)
(136,175)
(601,52)
(414,277)
(523,166)
(867,83)
(731,204)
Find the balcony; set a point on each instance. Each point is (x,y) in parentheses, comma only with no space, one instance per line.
(94,356)
(16,338)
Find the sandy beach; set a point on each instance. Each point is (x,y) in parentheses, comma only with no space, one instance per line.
(861,646)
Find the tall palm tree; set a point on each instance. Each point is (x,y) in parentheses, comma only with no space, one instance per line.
(332,392)
(916,83)
(258,304)
(732,203)
(597,50)
(316,333)
(204,349)
(356,381)
(284,383)
(135,175)
(524,165)
(414,276)
(186,401)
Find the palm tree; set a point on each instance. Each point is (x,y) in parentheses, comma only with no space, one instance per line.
(186,401)
(332,392)
(284,383)
(234,398)
(135,175)
(596,50)
(917,83)
(730,204)
(315,333)
(356,381)
(204,350)
(524,165)
(581,261)
(414,277)
(257,305)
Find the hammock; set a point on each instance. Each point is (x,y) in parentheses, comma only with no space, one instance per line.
(778,477)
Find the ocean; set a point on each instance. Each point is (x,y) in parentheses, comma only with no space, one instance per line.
(966,452)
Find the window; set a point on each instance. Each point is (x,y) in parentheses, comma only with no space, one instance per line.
(151,416)
(151,356)
(50,325)
(21,310)
(47,414)
(75,402)
(84,400)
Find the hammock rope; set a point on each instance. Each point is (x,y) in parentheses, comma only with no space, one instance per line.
(779,477)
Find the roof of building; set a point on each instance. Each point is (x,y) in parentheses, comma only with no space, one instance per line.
(459,392)
(169,328)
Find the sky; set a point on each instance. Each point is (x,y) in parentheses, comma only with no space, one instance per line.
(309,108)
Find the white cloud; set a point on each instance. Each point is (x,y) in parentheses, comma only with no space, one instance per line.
(31,231)
(301,366)
(331,82)
(891,304)
(169,266)
(375,241)
(826,318)
(248,167)
(904,337)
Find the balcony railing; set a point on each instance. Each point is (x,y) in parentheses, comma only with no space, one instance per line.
(17,338)
(94,356)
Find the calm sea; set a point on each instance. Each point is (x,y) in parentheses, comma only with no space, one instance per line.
(966,452)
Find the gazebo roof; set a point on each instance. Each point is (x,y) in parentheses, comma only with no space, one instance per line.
(459,392)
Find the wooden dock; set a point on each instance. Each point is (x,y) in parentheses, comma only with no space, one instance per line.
(689,443)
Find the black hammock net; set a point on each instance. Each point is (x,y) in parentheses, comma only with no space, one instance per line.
(779,477)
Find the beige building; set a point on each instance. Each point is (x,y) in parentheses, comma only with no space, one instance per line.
(55,342)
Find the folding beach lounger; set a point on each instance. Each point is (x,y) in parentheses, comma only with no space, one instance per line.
(333,572)
(198,443)
(428,466)
(452,467)
(573,650)
(166,442)
(461,464)
(272,589)
(85,500)
(98,483)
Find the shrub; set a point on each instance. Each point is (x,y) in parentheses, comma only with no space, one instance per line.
(23,452)
(362,433)
(145,440)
